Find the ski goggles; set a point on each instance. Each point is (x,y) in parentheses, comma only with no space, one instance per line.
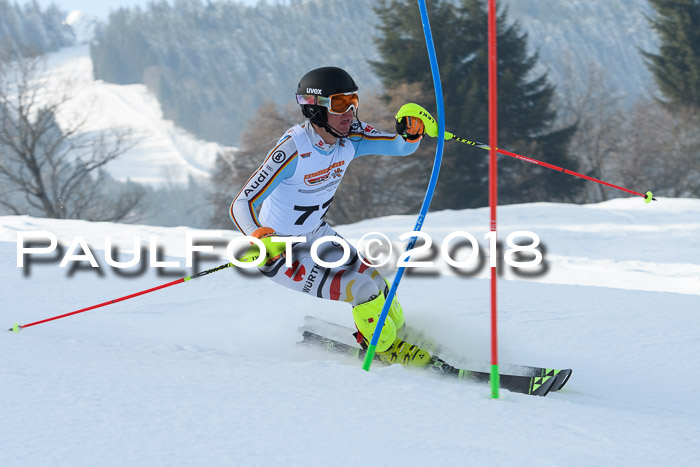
(336,103)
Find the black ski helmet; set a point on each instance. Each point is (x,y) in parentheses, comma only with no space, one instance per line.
(324,81)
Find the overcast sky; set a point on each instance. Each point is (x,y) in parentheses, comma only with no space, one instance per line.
(101,8)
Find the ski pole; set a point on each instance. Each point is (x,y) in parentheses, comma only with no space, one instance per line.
(249,256)
(648,197)
(17,328)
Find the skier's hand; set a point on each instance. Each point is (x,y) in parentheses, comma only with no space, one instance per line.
(273,250)
(415,110)
(410,128)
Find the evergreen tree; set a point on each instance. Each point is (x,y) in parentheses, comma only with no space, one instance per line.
(676,68)
(525,115)
(27,29)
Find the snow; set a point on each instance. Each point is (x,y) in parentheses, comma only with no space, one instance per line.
(83,26)
(207,372)
(163,153)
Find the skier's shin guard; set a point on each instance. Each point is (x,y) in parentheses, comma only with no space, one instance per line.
(366,316)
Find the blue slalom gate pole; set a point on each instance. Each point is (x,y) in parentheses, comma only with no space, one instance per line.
(431,185)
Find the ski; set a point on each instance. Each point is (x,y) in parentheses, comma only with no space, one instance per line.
(430,345)
(561,377)
(531,385)
(345,335)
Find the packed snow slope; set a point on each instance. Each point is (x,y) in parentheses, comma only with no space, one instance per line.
(207,372)
(159,151)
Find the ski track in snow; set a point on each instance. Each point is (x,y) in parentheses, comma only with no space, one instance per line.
(207,372)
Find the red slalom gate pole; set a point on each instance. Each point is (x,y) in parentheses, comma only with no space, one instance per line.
(18,328)
(493,188)
(648,196)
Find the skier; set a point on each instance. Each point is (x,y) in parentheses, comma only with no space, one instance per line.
(294,188)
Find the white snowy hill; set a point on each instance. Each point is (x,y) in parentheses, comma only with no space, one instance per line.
(165,153)
(207,372)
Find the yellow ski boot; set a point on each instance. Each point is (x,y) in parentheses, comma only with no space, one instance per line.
(366,316)
(390,348)
(404,353)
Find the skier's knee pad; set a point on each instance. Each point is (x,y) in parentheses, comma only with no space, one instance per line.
(366,316)
(396,311)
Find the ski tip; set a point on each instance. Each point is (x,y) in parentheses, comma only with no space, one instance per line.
(541,385)
(562,379)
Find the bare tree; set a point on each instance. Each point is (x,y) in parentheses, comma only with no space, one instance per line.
(660,150)
(54,170)
(646,146)
(596,108)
